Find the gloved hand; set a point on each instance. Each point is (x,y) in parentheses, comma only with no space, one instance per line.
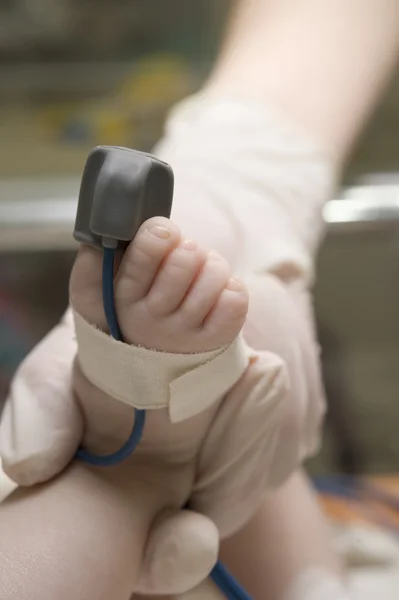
(249,436)
(213,405)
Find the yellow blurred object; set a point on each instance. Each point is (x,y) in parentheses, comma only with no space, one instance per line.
(156,79)
(112,127)
(53,117)
(131,114)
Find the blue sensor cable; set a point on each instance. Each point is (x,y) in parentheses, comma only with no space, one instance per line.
(110,314)
(231,589)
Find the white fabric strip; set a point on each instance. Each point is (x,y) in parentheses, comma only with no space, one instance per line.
(186,384)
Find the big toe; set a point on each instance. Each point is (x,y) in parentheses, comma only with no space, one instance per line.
(143,259)
(135,274)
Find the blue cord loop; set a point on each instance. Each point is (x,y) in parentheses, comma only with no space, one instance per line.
(129,447)
(220,575)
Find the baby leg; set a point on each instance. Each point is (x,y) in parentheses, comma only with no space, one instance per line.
(285,553)
(76,537)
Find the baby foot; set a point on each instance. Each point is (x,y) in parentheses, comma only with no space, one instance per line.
(170,295)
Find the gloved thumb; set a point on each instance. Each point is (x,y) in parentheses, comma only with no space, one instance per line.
(41,424)
(181,551)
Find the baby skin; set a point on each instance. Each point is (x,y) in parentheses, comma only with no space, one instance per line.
(172,297)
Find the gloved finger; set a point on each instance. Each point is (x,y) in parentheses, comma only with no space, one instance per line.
(236,459)
(41,423)
(280,320)
(206,590)
(270,421)
(180,553)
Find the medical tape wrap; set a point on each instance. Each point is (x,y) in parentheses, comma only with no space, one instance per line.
(185,384)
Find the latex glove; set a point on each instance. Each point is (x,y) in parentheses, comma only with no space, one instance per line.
(279,324)
(253,449)
(161,472)
(40,430)
(264,217)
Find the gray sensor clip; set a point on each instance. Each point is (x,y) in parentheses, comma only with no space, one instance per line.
(120,189)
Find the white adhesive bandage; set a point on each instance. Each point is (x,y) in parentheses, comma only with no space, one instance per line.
(186,384)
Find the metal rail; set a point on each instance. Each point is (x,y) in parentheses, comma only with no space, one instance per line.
(39,215)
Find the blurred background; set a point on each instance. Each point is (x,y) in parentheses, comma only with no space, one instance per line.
(76,73)
(73,74)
